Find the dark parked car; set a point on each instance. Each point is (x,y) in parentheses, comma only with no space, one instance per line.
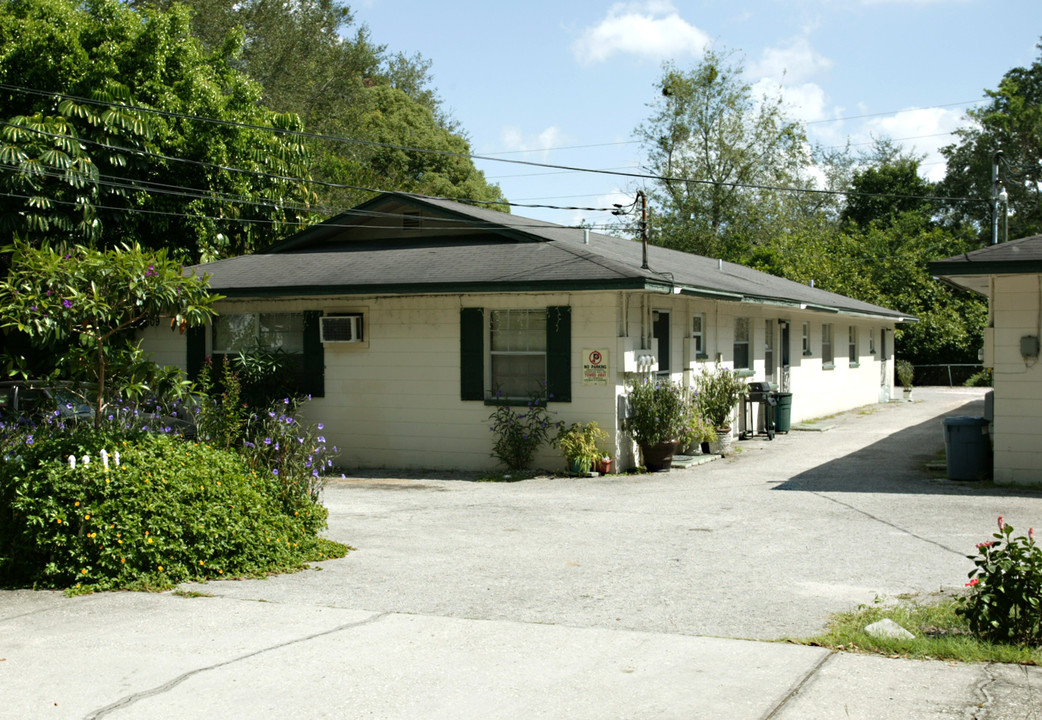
(34,400)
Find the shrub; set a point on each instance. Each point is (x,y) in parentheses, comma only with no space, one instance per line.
(520,434)
(1006,589)
(981,378)
(718,394)
(659,411)
(905,373)
(579,444)
(171,511)
(293,452)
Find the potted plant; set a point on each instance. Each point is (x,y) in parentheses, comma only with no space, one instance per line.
(905,373)
(718,394)
(658,414)
(603,465)
(698,431)
(578,442)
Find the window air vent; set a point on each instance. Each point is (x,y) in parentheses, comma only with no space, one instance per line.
(341,328)
(411,221)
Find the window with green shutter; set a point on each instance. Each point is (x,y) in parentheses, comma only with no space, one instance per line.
(529,352)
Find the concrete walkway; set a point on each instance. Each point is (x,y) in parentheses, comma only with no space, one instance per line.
(621,597)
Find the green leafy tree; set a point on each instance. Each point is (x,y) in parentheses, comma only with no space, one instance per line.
(720,152)
(881,192)
(88,300)
(1010,123)
(100,136)
(312,60)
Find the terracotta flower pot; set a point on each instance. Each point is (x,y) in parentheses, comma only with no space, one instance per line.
(659,458)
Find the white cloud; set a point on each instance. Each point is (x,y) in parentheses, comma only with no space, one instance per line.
(922,130)
(652,29)
(515,140)
(806,102)
(794,62)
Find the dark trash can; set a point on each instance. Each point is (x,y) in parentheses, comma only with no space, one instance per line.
(967,448)
(783,412)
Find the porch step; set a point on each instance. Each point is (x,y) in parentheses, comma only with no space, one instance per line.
(686,461)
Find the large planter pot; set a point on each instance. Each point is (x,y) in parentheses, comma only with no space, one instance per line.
(722,444)
(659,458)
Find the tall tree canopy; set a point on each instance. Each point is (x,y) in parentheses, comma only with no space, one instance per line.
(722,157)
(1010,123)
(101,141)
(720,153)
(310,59)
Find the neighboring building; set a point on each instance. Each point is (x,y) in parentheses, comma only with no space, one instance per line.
(408,313)
(1010,276)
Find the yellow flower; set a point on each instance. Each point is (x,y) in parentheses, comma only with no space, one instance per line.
(77,503)
(150,541)
(160,568)
(86,517)
(59,521)
(83,571)
(201,562)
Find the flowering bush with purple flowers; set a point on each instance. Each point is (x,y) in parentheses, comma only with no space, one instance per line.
(520,431)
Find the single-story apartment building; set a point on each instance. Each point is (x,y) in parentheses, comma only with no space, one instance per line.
(1009,274)
(410,313)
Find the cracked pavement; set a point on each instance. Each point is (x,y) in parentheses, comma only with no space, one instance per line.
(630,596)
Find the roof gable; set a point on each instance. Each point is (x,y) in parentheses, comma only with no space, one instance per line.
(464,248)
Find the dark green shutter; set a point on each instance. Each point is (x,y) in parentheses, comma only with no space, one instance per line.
(559,353)
(472,353)
(313,380)
(195,344)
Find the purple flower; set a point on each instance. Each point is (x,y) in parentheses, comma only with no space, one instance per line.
(274,472)
(320,426)
(267,441)
(67,303)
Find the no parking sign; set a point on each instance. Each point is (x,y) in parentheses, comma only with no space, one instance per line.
(595,367)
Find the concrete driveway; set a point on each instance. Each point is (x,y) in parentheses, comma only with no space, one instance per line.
(618,597)
(763,545)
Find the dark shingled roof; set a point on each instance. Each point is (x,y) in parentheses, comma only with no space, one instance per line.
(1013,257)
(400,243)
(972,270)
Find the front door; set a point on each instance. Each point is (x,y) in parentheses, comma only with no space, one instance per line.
(660,331)
(784,380)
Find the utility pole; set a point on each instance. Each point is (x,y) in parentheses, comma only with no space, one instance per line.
(998,196)
(643,227)
(643,199)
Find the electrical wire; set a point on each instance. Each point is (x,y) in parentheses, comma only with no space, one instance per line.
(552,166)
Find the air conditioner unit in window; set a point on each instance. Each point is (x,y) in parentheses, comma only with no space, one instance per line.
(341,328)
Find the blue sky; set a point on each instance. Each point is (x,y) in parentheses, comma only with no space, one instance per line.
(533,80)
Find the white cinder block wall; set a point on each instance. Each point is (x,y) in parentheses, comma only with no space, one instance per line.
(1017,311)
(394,401)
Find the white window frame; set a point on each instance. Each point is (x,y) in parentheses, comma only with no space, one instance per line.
(266,335)
(698,335)
(852,346)
(743,334)
(806,339)
(768,348)
(828,357)
(525,348)
(872,341)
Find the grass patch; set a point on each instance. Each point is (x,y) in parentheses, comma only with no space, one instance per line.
(940,634)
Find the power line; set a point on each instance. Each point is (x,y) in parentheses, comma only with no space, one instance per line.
(616,173)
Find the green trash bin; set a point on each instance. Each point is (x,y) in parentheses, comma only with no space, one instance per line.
(783,412)
(967,448)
